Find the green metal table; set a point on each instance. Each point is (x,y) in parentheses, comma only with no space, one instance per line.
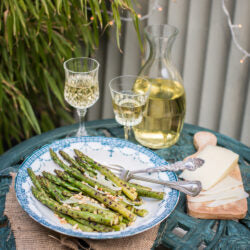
(195,233)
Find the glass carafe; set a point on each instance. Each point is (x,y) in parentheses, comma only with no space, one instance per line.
(164,115)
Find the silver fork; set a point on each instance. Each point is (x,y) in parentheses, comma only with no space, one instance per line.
(191,188)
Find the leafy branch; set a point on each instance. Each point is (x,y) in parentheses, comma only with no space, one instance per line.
(35,38)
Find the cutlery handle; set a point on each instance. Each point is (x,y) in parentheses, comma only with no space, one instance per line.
(191,188)
(190,164)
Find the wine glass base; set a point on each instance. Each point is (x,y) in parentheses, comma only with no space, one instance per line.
(76,133)
(88,132)
(82,132)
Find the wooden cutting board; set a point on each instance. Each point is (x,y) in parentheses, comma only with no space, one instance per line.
(233,210)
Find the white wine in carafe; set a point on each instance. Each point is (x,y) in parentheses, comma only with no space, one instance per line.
(164,115)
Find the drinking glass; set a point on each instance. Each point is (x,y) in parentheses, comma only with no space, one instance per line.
(129,97)
(81,89)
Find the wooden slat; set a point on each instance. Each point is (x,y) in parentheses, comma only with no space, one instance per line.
(132,52)
(216,84)
(158,17)
(215,67)
(237,76)
(245,134)
(178,16)
(112,69)
(195,53)
(94,113)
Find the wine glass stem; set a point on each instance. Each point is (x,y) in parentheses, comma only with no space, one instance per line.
(82,129)
(127,132)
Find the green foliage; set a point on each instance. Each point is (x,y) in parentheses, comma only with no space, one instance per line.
(36,37)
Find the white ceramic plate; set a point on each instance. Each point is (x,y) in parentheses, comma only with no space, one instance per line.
(104,150)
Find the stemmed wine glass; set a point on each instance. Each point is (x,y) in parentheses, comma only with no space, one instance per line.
(129,98)
(81,89)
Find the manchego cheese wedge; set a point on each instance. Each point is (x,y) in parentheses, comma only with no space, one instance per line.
(218,163)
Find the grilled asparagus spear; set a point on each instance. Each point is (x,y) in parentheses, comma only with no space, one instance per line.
(81,226)
(72,212)
(78,175)
(116,206)
(130,192)
(60,182)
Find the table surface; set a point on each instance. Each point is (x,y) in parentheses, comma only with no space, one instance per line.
(179,231)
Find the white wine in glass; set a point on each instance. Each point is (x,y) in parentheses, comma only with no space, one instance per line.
(129,104)
(128,112)
(81,89)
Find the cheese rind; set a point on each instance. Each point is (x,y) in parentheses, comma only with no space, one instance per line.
(218,163)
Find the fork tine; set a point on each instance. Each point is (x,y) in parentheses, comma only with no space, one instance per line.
(114,168)
(118,166)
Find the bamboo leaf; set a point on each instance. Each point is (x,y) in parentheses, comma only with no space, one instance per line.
(37,4)
(1,93)
(105,13)
(118,23)
(25,127)
(22,56)
(98,11)
(35,42)
(59,6)
(82,5)
(86,10)
(51,5)
(67,9)
(29,113)
(59,46)
(32,9)
(137,29)
(49,28)
(23,6)
(45,89)
(95,24)
(14,24)
(45,6)
(36,36)
(65,115)
(7,62)
(53,87)
(9,32)
(46,123)
(20,15)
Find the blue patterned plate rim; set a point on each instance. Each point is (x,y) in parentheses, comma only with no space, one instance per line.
(171,202)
